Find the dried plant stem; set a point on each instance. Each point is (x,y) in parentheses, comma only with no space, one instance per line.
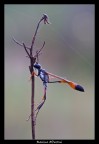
(32,110)
(29,51)
(32,61)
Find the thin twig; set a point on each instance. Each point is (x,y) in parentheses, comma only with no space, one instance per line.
(35,33)
(20,43)
(26,50)
(41,47)
(38,52)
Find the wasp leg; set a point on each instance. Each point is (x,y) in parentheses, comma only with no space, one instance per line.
(30,114)
(41,103)
(33,74)
(44,97)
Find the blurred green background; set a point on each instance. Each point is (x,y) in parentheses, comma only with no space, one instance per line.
(68,52)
